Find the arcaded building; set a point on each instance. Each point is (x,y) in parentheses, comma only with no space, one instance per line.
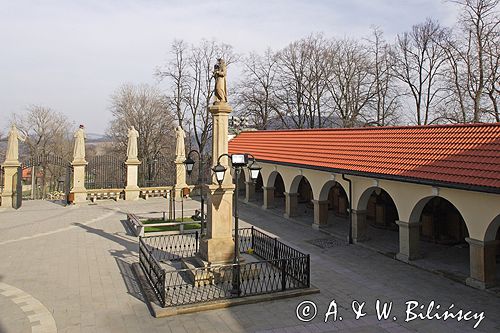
(433,192)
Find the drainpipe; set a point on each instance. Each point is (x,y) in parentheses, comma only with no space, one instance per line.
(349,237)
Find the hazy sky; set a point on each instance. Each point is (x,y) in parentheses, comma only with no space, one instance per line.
(71,55)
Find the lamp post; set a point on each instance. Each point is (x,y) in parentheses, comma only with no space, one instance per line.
(189,163)
(237,162)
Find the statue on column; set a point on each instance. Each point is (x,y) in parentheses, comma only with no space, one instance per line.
(132,135)
(180,149)
(13,144)
(220,72)
(79,149)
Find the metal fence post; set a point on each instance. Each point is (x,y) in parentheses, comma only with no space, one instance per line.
(275,248)
(308,263)
(252,245)
(196,240)
(283,274)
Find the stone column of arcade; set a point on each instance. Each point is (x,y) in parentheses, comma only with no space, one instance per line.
(217,246)
(11,165)
(132,190)
(79,191)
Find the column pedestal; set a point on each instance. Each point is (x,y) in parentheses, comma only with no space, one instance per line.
(180,177)
(409,241)
(79,191)
(132,191)
(268,197)
(359,226)
(291,204)
(482,263)
(10,169)
(250,191)
(320,213)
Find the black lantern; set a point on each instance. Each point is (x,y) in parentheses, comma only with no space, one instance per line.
(220,171)
(189,163)
(254,171)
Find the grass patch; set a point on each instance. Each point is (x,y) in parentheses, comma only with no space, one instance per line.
(187,226)
(160,220)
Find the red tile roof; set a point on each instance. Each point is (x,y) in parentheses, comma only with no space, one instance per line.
(467,155)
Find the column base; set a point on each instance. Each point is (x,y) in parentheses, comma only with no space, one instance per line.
(132,194)
(79,196)
(217,250)
(6,200)
(405,258)
(471,282)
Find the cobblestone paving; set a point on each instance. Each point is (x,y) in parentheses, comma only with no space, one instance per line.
(76,261)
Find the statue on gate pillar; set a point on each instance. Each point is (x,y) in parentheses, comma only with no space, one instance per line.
(180,148)
(79,148)
(132,135)
(220,72)
(14,136)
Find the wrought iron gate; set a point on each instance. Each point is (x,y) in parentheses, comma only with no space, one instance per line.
(155,172)
(105,171)
(49,176)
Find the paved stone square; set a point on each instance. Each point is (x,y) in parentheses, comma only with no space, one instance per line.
(69,267)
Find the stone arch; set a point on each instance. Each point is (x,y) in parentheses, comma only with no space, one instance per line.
(418,209)
(294,185)
(272,178)
(493,230)
(365,197)
(325,189)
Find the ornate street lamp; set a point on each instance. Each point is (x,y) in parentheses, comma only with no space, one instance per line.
(238,161)
(189,163)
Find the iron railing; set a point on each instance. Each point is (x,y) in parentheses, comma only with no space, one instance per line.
(281,268)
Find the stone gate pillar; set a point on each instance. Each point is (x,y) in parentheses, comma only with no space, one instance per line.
(482,256)
(79,163)
(10,169)
(132,190)
(409,241)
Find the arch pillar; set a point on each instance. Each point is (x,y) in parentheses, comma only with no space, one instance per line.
(320,213)
(409,241)
(482,256)
(291,204)
(359,226)
(268,197)
(249,191)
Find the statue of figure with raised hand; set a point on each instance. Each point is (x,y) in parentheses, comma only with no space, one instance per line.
(13,144)
(132,135)
(220,72)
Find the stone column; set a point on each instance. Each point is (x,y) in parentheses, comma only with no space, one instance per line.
(180,177)
(320,213)
(132,191)
(250,191)
(10,169)
(359,226)
(268,197)
(409,241)
(79,191)
(217,246)
(291,204)
(482,263)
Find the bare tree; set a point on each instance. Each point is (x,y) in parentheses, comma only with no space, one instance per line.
(47,134)
(419,60)
(255,92)
(386,103)
(148,110)
(176,73)
(351,85)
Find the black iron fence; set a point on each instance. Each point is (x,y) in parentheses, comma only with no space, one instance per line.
(159,171)
(281,268)
(105,171)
